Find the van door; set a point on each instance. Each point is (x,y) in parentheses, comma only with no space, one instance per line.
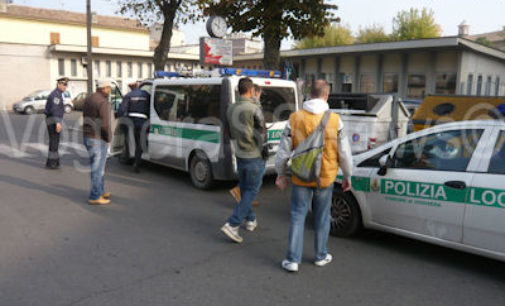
(118,138)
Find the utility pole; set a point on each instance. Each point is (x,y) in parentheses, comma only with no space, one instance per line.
(89,60)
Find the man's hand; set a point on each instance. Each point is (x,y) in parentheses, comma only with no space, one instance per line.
(58,127)
(346,184)
(281,182)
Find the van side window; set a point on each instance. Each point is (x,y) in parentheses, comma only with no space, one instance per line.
(166,100)
(497,163)
(277,103)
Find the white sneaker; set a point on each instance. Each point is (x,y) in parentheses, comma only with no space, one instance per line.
(289,266)
(251,225)
(325,261)
(231,232)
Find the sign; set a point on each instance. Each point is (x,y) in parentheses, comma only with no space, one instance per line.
(216,51)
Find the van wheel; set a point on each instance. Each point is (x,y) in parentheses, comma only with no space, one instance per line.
(345,214)
(29,110)
(67,109)
(124,157)
(200,171)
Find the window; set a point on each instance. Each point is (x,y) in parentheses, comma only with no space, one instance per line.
(139,67)
(54,38)
(119,67)
(367,83)
(390,82)
(190,103)
(73,67)
(497,86)
(373,162)
(150,70)
(277,103)
(479,85)
(416,86)
(469,84)
(487,91)
(97,68)
(444,151)
(129,69)
(446,84)
(108,68)
(497,163)
(61,66)
(66,94)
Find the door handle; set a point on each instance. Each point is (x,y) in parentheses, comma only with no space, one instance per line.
(455,184)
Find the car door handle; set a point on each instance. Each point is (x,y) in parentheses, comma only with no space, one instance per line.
(455,184)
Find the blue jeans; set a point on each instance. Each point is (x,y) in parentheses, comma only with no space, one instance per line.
(250,172)
(97,150)
(301,199)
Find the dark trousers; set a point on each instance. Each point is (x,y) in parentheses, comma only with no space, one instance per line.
(53,159)
(140,134)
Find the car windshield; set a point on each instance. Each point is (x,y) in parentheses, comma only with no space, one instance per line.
(33,94)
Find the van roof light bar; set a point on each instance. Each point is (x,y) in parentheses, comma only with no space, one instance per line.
(250,72)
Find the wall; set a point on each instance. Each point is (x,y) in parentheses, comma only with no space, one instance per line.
(477,64)
(23,69)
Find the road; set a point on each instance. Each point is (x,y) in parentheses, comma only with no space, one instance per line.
(159,243)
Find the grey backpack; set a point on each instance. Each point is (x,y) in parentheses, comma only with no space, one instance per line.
(308,155)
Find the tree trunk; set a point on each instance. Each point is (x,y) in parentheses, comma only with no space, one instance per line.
(272,53)
(161,51)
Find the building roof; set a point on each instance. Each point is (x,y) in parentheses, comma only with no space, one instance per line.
(394,46)
(491,36)
(60,16)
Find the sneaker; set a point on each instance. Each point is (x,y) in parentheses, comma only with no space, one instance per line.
(235,193)
(325,261)
(289,266)
(255,203)
(99,201)
(251,225)
(106,195)
(231,232)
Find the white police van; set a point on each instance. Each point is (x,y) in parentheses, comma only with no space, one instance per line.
(187,121)
(444,185)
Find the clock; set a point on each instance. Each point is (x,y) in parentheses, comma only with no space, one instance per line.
(216,26)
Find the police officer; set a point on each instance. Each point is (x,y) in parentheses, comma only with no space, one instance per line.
(135,106)
(54,116)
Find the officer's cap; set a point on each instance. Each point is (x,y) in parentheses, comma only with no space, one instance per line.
(104,83)
(63,80)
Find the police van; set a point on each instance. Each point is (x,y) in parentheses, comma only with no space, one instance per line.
(188,121)
(444,185)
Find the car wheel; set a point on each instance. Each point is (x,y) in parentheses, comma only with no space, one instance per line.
(200,171)
(124,157)
(67,109)
(29,110)
(345,214)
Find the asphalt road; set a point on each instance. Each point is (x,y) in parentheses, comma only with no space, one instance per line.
(159,243)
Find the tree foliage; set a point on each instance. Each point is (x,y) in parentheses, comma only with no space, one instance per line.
(415,24)
(167,12)
(333,36)
(273,20)
(484,41)
(372,34)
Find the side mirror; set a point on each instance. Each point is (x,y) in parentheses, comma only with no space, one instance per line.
(384,162)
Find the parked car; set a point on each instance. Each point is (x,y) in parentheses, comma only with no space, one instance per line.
(36,101)
(444,185)
(78,100)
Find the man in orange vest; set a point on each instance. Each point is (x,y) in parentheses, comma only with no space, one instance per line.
(336,152)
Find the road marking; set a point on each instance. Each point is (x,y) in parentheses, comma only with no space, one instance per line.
(66,148)
(13,153)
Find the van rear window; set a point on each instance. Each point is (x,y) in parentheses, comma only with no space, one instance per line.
(277,103)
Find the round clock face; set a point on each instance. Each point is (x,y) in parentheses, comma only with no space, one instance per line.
(216,26)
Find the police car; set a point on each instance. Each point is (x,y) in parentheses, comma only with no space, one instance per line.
(188,116)
(444,185)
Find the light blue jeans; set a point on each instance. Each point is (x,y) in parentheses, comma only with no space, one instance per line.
(97,150)
(301,199)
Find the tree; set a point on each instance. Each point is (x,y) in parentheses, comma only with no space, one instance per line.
(169,12)
(415,24)
(372,34)
(333,36)
(273,20)
(484,41)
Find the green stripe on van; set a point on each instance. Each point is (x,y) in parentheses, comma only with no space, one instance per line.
(274,134)
(185,133)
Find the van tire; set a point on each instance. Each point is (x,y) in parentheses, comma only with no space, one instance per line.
(200,171)
(67,109)
(29,110)
(124,157)
(345,213)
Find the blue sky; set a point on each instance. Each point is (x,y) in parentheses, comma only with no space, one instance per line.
(482,15)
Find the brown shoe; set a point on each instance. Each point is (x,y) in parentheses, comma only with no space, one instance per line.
(255,203)
(99,201)
(235,193)
(106,195)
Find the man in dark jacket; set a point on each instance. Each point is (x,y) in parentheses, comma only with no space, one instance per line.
(54,116)
(97,137)
(135,106)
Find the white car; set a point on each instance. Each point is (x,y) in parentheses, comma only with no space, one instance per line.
(36,101)
(444,185)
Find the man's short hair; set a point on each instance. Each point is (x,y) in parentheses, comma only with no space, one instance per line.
(257,88)
(244,85)
(319,89)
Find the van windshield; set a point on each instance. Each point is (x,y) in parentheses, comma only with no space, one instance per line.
(277,103)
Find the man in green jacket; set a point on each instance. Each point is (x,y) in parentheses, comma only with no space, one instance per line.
(248,137)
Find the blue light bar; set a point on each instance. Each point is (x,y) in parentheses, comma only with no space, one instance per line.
(165,74)
(250,72)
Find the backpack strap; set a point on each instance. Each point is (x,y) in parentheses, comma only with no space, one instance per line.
(324,120)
